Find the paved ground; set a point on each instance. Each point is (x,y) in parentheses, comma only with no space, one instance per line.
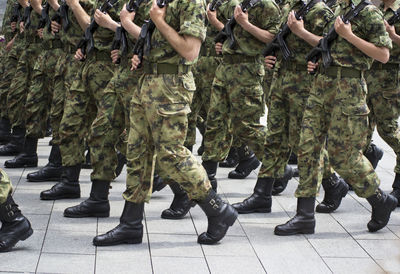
(341,244)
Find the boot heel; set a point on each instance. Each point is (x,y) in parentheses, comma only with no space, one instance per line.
(255,164)
(308,231)
(231,219)
(134,241)
(102,215)
(344,192)
(27,234)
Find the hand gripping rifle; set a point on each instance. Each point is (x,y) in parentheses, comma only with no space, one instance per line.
(26,18)
(86,44)
(395,18)
(227,31)
(146,32)
(322,50)
(44,19)
(61,16)
(120,41)
(214,5)
(279,42)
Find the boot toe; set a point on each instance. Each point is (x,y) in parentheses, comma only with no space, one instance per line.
(61,191)
(324,208)
(236,174)
(206,239)
(172,214)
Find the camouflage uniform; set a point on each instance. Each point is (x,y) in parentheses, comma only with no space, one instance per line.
(383,97)
(18,91)
(87,98)
(242,70)
(159,108)
(289,93)
(42,85)
(338,111)
(5,186)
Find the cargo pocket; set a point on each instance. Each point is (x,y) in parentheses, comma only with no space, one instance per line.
(355,127)
(173,109)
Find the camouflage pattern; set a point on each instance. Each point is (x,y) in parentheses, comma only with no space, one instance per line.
(16,98)
(289,93)
(158,115)
(383,97)
(239,108)
(338,112)
(5,186)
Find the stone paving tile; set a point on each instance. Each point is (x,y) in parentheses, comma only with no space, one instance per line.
(353,265)
(72,242)
(175,245)
(66,263)
(231,246)
(234,265)
(127,261)
(20,260)
(173,265)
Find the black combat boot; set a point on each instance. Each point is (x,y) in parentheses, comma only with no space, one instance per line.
(335,190)
(374,154)
(52,171)
(5,130)
(189,147)
(27,158)
(121,162)
(247,163)
(15,227)
(382,206)
(260,200)
(303,222)
(129,230)
(97,205)
(180,205)
(211,169)
(158,183)
(396,188)
(281,183)
(200,150)
(88,163)
(232,160)
(292,159)
(67,188)
(16,144)
(220,215)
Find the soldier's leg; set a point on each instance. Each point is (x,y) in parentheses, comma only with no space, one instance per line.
(15,227)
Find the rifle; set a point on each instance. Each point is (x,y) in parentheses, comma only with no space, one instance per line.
(26,18)
(86,44)
(227,31)
(214,5)
(120,41)
(330,3)
(395,18)
(279,42)
(322,50)
(44,19)
(15,13)
(145,35)
(61,16)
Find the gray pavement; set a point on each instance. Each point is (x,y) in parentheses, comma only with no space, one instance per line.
(341,243)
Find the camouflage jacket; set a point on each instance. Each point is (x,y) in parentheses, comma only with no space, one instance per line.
(6,27)
(395,52)
(369,26)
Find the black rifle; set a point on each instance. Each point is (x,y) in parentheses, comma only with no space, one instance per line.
(44,19)
(279,42)
(15,15)
(120,41)
(86,44)
(214,5)
(395,18)
(227,31)
(146,32)
(61,16)
(324,45)
(26,18)
(330,3)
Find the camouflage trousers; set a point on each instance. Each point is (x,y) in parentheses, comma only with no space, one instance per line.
(236,106)
(158,127)
(16,98)
(5,186)
(81,106)
(383,100)
(40,93)
(268,80)
(336,113)
(203,72)
(287,101)
(108,128)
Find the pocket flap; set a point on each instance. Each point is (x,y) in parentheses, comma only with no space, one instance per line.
(174,109)
(356,110)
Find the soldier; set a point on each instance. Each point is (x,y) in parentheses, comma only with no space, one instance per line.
(15,226)
(383,94)
(40,92)
(288,97)
(158,120)
(336,110)
(16,98)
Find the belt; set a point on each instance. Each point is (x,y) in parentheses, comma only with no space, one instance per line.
(380,66)
(333,71)
(237,59)
(33,40)
(100,55)
(156,68)
(293,66)
(52,44)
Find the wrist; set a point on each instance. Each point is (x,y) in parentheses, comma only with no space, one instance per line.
(349,37)
(246,25)
(159,22)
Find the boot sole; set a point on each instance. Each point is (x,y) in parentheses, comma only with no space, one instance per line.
(60,197)
(94,215)
(304,231)
(258,210)
(20,166)
(128,241)
(54,179)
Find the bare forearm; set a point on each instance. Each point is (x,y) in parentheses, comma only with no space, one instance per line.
(23,3)
(260,34)
(131,28)
(217,24)
(380,54)
(113,26)
(187,48)
(309,37)
(81,16)
(396,39)
(54,4)
(37,6)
